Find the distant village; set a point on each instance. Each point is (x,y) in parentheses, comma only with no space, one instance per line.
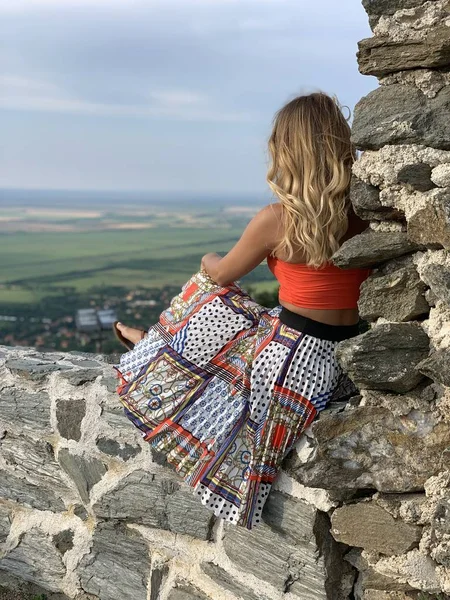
(82,321)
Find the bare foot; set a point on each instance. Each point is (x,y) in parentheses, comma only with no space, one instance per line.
(130,333)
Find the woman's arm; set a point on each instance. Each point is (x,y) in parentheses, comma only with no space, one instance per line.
(259,238)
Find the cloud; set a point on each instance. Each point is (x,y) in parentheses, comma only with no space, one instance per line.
(163,92)
(20,93)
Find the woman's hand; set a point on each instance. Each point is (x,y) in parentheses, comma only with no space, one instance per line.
(209,263)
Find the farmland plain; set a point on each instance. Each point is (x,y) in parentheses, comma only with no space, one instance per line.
(55,243)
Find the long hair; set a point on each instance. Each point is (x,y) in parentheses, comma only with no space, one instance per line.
(311,160)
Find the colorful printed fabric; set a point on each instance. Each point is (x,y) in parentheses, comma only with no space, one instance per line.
(224,390)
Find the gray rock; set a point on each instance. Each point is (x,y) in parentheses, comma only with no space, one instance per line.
(438,278)
(63,540)
(409,507)
(80,376)
(227,582)
(28,494)
(431,297)
(381,532)
(417,176)
(185,514)
(110,382)
(85,363)
(292,550)
(366,202)
(33,460)
(186,592)
(33,369)
(370,447)
(369,578)
(372,248)
(118,564)
(113,448)
(430,225)
(378,8)
(384,357)
(395,292)
(26,409)
(69,415)
(403,115)
(156,500)
(440,527)
(85,472)
(381,56)
(158,576)
(400,595)
(436,366)
(5,522)
(80,511)
(37,560)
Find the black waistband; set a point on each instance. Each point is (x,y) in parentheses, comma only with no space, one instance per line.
(334,333)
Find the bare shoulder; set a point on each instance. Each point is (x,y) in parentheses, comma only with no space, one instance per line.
(268,221)
(270,215)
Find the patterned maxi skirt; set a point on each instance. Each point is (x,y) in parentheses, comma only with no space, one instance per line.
(224,389)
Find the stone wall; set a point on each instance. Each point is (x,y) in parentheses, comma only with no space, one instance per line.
(393,444)
(87,511)
(361,510)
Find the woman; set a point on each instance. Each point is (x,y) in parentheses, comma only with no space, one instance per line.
(223,386)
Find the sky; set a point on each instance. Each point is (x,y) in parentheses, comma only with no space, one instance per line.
(163,95)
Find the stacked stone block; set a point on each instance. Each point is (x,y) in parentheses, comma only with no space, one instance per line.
(390,446)
(87,512)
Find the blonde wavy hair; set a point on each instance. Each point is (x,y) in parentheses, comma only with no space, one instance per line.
(311,159)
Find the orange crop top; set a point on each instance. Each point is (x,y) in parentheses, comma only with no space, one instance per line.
(329,287)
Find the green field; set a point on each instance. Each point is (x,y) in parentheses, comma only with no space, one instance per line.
(85,249)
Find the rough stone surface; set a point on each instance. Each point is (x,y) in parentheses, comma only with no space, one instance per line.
(378,8)
(417,176)
(436,366)
(186,592)
(284,550)
(404,115)
(226,581)
(394,291)
(5,522)
(157,579)
(26,409)
(381,533)
(157,500)
(69,415)
(19,490)
(35,559)
(429,81)
(384,357)
(429,221)
(63,540)
(117,565)
(438,278)
(441,175)
(80,376)
(382,168)
(33,369)
(368,578)
(369,447)
(372,248)
(113,448)
(33,460)
(381,55)
(85,472)
(366,203)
